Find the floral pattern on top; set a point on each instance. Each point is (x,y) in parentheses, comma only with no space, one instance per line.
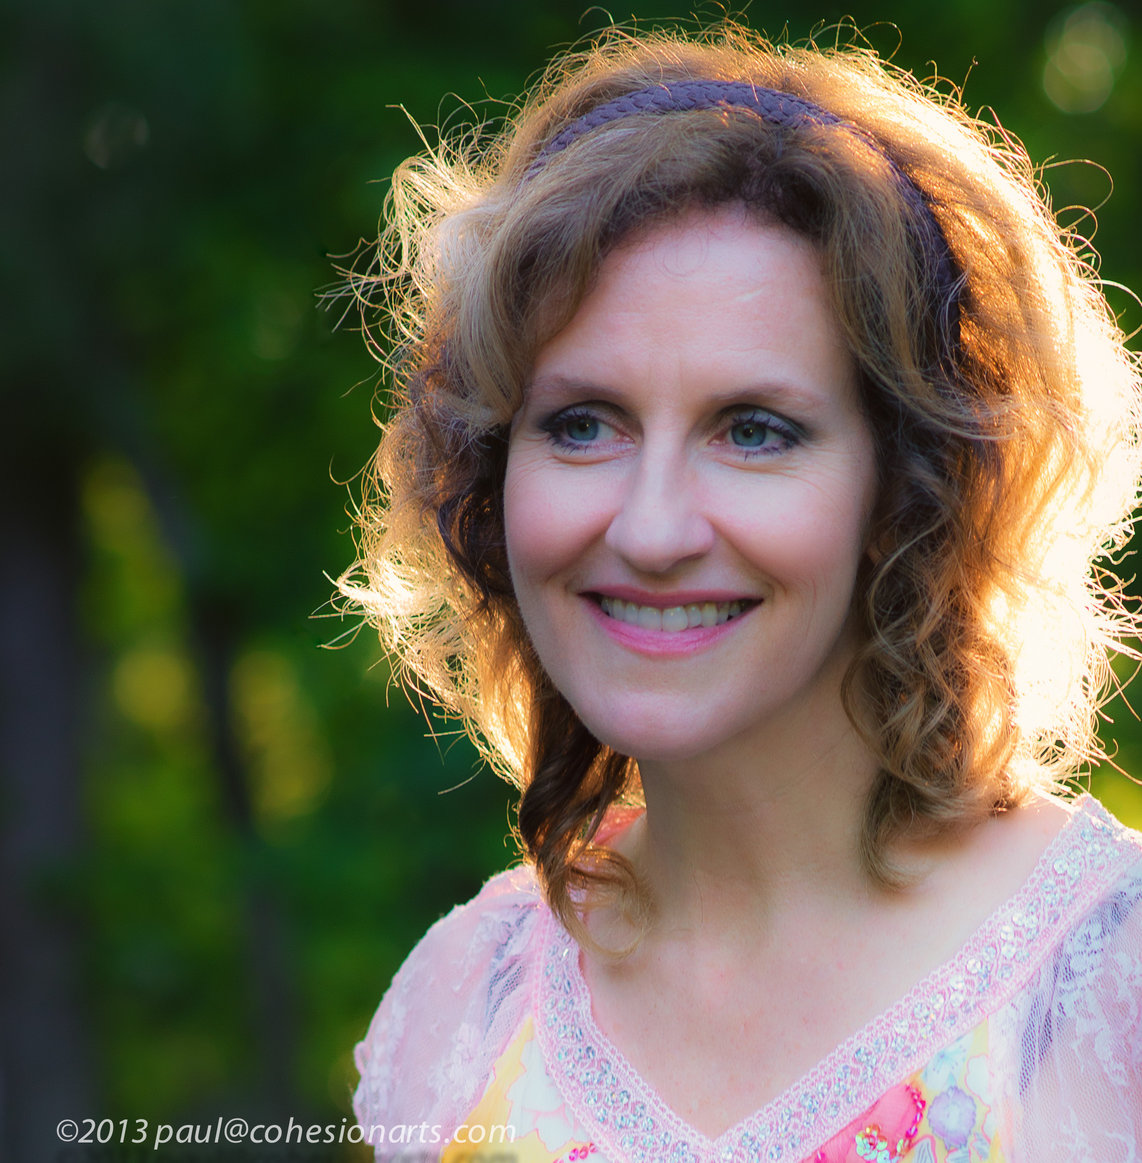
(627,1114)
(942,1114)
(1025,1047)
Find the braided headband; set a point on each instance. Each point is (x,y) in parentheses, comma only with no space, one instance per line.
(777,108)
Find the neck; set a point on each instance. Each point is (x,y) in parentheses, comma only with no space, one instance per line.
(766,827)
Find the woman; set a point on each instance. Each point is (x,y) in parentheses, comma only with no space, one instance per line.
(758,432)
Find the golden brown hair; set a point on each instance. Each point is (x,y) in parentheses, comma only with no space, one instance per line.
(1005,411)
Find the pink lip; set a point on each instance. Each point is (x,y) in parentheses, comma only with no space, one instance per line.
(663,643)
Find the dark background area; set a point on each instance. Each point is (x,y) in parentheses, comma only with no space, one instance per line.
(219,839)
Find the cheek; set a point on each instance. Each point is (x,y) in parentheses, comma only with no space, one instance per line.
(549,519)
(804,536)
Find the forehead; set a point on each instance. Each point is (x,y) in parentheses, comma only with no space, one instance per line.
(726,252)
(711,296)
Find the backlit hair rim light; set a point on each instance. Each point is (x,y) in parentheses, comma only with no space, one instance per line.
(777,108)
(1003,402)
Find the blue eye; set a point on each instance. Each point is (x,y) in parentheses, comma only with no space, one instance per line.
(761,433)
(750,433)
(576,429)
(581,428)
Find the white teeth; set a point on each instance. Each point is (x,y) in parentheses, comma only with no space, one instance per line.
(649,618)
(673,619)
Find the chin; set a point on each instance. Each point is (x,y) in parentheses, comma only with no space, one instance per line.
(673,738)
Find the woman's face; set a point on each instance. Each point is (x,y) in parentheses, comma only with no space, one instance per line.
(688,490)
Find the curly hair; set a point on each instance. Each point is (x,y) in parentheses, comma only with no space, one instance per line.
(1004,408)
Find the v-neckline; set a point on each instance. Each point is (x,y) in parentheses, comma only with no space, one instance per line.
(631,1121)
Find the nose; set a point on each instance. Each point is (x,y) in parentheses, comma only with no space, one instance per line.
(659,520)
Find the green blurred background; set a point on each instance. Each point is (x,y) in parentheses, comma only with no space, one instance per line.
(220,839)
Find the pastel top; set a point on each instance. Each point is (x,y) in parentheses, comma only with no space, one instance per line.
(1025,1047)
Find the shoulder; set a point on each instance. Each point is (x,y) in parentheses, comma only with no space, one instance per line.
(1072,936)
(1083,924)
(459,995)
(1102,870)
(1078,1028)
(485,925)
(1091,880)
(1100,863)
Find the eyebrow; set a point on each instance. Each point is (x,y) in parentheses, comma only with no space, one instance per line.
(557,385)
(771,393)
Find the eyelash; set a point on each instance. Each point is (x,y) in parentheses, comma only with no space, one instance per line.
(556,427)
(788,435)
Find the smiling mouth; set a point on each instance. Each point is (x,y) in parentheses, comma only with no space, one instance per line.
(673,619)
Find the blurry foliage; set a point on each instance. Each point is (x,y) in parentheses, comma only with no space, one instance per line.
(180,172)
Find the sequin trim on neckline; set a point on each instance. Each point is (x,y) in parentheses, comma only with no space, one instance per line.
(627,1117)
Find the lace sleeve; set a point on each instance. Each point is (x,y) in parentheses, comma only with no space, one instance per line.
(448,1014)
(1079,1076)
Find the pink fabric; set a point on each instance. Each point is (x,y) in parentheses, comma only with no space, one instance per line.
(896,1118)
(1053,980)
(451,1010)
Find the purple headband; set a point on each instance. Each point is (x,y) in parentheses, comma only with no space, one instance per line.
(777,108)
